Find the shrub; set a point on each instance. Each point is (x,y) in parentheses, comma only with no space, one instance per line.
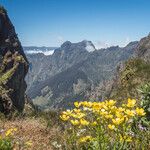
(105,125)
(9,141)
(145,103)
(6,139)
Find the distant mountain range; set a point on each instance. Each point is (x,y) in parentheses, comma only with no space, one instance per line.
(67,75)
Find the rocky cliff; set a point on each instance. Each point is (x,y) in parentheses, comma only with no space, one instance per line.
(13,67)
(143,48)
(131,75)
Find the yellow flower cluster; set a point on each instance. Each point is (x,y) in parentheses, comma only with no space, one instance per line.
(106,111)
(85,139)
(125,138)
(10,132)
(102,120)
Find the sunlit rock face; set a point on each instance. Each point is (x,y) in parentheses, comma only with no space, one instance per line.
(13,67)
(143,48)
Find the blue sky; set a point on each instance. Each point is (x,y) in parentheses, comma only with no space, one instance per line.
(105,22)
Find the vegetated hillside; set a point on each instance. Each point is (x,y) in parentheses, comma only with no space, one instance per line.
(130,77)
(71,71)
(13,67)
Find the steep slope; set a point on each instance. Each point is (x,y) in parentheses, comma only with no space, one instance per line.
(143,49)
(13,67)
(131,75)
(44,67)
(73,70)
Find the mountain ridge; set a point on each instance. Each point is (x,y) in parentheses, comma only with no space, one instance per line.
(90,68)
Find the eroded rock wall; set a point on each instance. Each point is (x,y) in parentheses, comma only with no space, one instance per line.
(13,67)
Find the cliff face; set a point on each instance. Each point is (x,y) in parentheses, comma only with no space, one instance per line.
(13,67)
(143,48)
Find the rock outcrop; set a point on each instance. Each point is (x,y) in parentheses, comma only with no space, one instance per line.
(143,48)
(13,67)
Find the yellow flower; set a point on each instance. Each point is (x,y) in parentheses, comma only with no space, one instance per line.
(85,139)
(74,122)
(125,138)
(9,132)
(113,108)
(89,104)
(80,115)
(117,121)
(94,123)
(64,117)
(111,127)
(15,129)
(96,106)
(67,112)
(84,122)
(109,116)
(84,103)
(77,115)
(131,103)
(77,104)
(77,110)
(119,114)
(130,113)
(105,107)
(140,111)
(103,112)
(29,143)
(111,102)
(120,109)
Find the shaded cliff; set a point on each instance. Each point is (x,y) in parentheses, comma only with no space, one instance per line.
(13,67)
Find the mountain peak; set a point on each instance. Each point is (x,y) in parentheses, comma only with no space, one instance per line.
(66,44)
(83,45)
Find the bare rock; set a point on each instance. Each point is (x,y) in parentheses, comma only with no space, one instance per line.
(13,67)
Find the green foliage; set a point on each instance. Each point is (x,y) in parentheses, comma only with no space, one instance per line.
(6,76)
(5,144)
(145,102)
(136,72)
(105,126)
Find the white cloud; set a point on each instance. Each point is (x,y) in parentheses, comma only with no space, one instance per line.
(121,43)
(48,52)
(101,44)
(89,47)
